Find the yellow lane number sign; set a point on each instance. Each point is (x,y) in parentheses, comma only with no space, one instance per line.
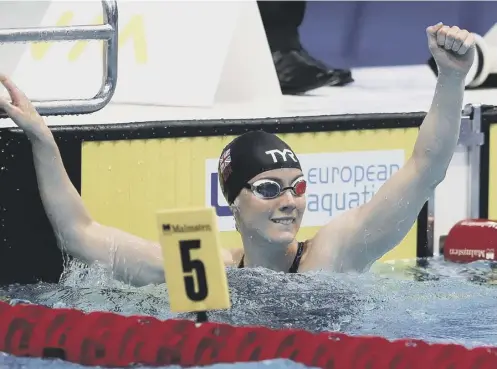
(193,264)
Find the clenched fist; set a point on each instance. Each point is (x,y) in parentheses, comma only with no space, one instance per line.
(452,48)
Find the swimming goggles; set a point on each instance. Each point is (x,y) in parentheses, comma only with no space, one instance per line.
(269,189)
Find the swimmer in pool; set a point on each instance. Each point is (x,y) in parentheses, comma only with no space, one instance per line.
(262,180)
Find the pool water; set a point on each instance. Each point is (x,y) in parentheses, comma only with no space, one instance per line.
(440,302)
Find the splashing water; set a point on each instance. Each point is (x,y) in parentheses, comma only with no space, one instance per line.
(440,303)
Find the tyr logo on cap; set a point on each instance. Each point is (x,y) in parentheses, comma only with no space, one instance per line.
(282,154)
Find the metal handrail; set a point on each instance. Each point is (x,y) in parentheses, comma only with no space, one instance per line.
(107,32)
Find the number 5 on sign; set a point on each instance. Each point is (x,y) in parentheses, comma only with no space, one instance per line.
(193,265)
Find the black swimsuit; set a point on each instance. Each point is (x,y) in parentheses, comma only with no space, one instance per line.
(296,262)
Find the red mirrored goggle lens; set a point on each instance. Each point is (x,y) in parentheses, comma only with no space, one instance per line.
(300,187)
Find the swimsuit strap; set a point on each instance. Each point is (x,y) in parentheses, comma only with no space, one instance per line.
(296,262)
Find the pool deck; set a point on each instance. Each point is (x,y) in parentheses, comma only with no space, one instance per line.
(375,90)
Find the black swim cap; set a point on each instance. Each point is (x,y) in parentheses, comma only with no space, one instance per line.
(249,155)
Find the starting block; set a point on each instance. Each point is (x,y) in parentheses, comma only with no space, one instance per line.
(171,53)
(471,240)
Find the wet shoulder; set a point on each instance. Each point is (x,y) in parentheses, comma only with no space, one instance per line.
(232,257)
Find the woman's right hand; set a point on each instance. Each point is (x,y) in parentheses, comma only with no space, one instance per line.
(21,110)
